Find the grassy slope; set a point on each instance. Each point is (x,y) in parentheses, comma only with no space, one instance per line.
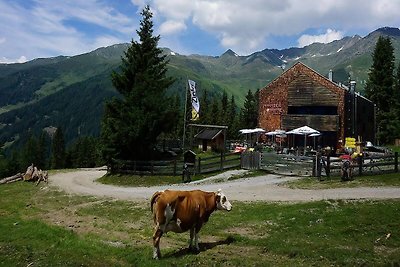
(43,227)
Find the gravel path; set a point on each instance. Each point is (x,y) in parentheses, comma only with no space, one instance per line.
(262,188)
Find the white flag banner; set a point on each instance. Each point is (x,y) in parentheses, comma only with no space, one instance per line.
(194,99)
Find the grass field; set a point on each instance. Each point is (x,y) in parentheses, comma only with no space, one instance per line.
(391,179)
(40,226)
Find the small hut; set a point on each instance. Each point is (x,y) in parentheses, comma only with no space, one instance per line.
(210,139)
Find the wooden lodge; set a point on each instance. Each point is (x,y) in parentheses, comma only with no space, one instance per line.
(301,96)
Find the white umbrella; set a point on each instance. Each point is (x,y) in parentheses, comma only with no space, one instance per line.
(305,130)
(251,131)
(277,133)
(315,135)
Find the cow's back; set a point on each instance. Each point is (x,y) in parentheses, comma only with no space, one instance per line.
(189,207)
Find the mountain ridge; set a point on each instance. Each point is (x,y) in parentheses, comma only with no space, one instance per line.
(35,94)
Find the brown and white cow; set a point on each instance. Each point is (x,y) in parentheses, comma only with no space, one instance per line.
(180,211)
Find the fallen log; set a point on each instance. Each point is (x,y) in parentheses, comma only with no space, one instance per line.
(16,180)
(11,179)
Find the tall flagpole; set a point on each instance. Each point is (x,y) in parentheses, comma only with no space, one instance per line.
(184,116)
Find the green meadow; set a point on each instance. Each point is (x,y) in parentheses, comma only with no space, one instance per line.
(41,226)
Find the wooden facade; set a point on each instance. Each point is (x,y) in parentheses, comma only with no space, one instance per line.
(301,96)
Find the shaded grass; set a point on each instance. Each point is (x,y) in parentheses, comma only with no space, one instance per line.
(43,227)
(391,179)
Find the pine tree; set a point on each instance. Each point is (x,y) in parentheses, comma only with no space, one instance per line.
(29,154)
(132,123)
(249,112)
(42,151)
(205,116)
(396,89)
(224,107)
(396,96)
(215,112)
(58,150)
(379,88)
(233,120)
(3,164)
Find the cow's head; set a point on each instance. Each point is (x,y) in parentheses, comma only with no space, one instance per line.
(222,202)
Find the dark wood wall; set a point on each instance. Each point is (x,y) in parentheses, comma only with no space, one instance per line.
(303,91)
(324,123)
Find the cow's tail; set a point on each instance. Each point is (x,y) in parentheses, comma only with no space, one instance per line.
(154,199)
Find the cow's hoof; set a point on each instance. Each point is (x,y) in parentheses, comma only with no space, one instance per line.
(194,250)
(156,255)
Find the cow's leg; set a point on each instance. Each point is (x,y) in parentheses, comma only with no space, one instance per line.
(196,241)
(192,234)
(196,238)
(156,242)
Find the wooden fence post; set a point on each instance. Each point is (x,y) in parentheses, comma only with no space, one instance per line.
(199,166)
(314,164)
(174,167)
(396,161)
(360,165)
(328,166)
(221,166)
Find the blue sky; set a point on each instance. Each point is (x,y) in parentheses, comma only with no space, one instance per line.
(45,28)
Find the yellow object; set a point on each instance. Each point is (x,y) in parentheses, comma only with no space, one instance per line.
(350,142)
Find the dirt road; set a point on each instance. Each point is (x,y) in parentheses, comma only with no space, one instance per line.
(263,188)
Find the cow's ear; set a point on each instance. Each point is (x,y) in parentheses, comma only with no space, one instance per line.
(217,198)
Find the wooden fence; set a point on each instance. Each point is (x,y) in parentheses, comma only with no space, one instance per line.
(251,160)
(217,163)
(326,166)
(172,167)
(175,167)
(318,166)
(286,164)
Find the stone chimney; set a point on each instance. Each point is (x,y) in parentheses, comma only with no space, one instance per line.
(353,86)
(330,76)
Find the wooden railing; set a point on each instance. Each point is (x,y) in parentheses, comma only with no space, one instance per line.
(172,167)
(175,167)
(325,166)
(217,163)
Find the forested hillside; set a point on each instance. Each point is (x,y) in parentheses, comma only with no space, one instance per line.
(69,92)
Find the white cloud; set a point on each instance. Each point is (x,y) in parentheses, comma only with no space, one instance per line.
(329,36)
(104,41)
(247,25)
(50,28)
(172,27)
(139,3)
(21,59)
